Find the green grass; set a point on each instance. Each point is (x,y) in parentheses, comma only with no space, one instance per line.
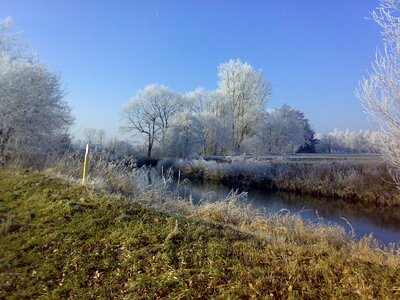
(59,240)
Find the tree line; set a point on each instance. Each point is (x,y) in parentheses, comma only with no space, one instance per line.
(231,120)
(35,118)
(346,141)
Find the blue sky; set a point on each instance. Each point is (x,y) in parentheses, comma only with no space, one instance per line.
(313,52)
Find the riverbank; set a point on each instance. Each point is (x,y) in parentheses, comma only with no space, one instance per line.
(357,180)
(63,240)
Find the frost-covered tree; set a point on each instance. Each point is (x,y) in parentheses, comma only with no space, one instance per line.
(310,145)
(117,149)
(283,130)
(166,103)
(150,113)
(101,138)
(34,118)
(296,129)
(89,135)
(185,136)
(10,41)
(197,101)
(380,91)
(243,96)
(208,122)
(346,141)
(327,143)
(218,127)
(230,120)
(96,138)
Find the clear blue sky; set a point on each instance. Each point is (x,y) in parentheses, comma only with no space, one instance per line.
(313,52)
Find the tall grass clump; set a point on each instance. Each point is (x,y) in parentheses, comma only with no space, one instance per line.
(115,177)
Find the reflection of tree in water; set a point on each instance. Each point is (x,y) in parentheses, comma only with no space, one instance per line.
(149,178)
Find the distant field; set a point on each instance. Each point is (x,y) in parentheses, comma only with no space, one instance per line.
(299,157)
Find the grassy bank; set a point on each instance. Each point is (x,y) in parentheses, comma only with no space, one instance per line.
(364,180)
(60,240)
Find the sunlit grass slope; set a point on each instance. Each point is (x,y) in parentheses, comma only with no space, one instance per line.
(65,241)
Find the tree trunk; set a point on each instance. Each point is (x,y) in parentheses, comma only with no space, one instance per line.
(149,147)
(149,150)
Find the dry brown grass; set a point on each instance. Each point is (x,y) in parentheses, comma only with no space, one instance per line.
(103,174)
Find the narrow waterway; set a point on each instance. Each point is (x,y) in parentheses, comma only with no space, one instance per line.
(383,224)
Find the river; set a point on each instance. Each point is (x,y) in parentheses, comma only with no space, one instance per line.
(382,223)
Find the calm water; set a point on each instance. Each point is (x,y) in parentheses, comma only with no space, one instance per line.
(383,224)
